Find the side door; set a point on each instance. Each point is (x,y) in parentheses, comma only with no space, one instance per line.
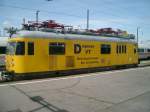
(56,56)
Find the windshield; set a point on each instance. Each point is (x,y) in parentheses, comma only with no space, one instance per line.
(17,48)
(11,46)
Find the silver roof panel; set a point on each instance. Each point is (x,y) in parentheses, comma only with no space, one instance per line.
(39,34)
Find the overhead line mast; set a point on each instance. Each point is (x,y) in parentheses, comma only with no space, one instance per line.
(87,26)
(37,19)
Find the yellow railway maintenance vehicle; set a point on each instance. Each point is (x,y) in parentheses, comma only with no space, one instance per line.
(35,52)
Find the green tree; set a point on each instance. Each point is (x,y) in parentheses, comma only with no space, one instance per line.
(11,31)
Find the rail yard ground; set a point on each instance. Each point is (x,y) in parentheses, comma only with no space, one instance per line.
(126,90)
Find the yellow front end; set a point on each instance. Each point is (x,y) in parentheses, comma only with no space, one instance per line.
(14,63)
(23,59)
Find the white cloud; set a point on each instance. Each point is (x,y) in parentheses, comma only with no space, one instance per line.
(7,24)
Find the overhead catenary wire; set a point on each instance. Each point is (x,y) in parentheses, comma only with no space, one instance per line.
(33,9)
(67,14)
(94,12)
(106,4)
(45,11)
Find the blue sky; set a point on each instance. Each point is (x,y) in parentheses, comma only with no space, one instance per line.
(123,14)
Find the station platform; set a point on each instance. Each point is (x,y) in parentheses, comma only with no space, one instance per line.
(125,90)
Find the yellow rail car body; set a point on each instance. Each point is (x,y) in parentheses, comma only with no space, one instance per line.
(55,52)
